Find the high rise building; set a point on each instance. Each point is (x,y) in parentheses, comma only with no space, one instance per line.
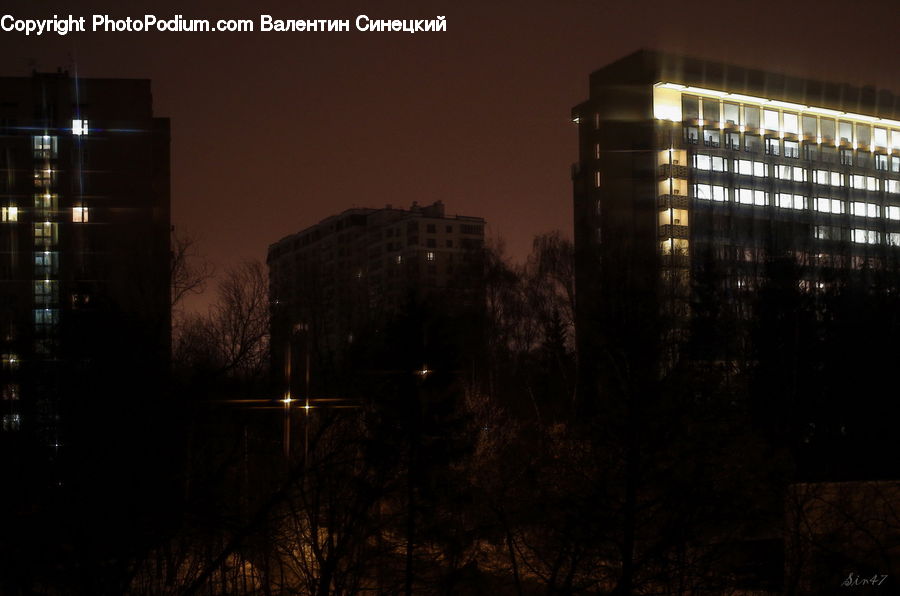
(685,163)
(351,271)
(84,253)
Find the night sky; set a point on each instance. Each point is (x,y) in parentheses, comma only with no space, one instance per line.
(271,132)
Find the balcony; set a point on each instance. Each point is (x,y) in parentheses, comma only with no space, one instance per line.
(670,231)
(673,201)
(673,171)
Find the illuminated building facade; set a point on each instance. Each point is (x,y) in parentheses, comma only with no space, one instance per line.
(353,270)
(683,162)
(84,252)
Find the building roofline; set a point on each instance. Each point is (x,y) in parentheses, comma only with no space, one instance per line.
(649,66)
(367,211)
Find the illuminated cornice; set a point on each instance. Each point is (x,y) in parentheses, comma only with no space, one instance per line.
(762,102)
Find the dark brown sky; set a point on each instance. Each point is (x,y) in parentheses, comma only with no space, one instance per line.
(272,132)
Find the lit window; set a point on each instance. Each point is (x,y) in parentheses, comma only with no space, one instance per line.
(892,212)
(597,179)
(45,317)
(398,259)
(791,123)
(44,233)
(45,264)
(691,134)
(788,201)
(865,209)
(44,147)
(881,162)
(701,161)
(746,196)
(826,205)
(791,149)
(43,177)
(880,137)
(893,239)
(828,232)
(743,167)
(9,214)
(837,179)
(858,182)
(711,137)
(46,292)
(760,169)
(45,201)
(871,183)
(773,147)
(864,236)
(79,127)
(674,246)
(429,256)
(80,214)
(9,361)
(893,186)
(710,193)
(770,119)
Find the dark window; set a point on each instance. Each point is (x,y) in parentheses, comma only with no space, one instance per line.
(690,107)
(711,110)
(430,228)
(863,134)
(811,151)
(808,124)
(751,117)
(733,141)
(846,157)
(752,143)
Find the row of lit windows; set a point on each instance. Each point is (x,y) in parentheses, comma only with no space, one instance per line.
(11,214)
(791,149)
(747,196)
(746,167)
(857,235)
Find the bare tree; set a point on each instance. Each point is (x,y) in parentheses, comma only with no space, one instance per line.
(232,338)
(189,273)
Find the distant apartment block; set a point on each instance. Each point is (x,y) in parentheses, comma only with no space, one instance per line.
(353,270)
